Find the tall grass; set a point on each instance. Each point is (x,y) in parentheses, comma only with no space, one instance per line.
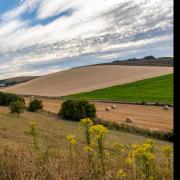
(88,158)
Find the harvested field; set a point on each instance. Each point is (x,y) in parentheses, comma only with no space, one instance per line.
(144,116)
(86,79)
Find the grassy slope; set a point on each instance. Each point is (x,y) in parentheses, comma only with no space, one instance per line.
(51,131)
(158,89)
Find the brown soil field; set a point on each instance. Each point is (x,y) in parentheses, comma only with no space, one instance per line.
(86,79)
(144,116)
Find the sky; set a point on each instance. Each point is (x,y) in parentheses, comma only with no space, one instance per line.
(38,37)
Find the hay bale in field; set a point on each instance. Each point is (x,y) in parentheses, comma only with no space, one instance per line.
(113,106)
(129,120)
(31,98)
(166,107)
(107,108)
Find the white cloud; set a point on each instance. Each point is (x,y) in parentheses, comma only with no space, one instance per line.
(24,6)
(93,26)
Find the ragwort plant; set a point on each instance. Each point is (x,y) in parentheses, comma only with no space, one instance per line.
(141,158)
(98,134)
(33,132)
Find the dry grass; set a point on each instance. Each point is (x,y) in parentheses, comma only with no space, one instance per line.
(51,130)
(52,160)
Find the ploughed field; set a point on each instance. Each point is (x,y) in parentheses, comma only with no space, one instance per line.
(144,116)
(85,79)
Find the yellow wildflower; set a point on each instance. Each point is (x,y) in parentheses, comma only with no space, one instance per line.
(71,139)
(32,125)
(128,160)
(89,149)
(98,131)
(121,174)
(86,122)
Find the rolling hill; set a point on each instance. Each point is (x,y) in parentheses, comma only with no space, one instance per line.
(15,80)
(84,79)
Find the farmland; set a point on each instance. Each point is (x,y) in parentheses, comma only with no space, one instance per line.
(158,89)
(144,116)
(85,79)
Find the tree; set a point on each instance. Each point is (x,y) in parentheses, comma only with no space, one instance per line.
(77,109)
(17,107)
(35,105)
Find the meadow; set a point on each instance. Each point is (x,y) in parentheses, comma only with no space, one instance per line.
(158,89)
(41,146)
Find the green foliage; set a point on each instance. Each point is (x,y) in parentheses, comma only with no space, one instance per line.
(7,98)
(158,89)
(77,109)
(17,107)
(35,105)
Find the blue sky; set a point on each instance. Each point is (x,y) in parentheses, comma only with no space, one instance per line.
(43,36)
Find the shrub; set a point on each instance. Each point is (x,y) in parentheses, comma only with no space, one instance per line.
(77,109)
(7,98)
(35,105)
(17,107)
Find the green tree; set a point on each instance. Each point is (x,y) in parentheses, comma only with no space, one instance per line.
(17,107)
(35,105)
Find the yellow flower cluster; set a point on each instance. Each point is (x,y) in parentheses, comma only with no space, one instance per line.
(86,122)
(98,130)
(71,139)
(119,147)
(89,149)
(141,153)
(121,174)
(32,125)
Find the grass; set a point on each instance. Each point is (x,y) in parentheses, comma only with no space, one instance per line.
(158,89)
(56,158)
(51,130)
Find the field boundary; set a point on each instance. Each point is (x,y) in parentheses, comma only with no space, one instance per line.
(127,102)
(146,132)
(104,101)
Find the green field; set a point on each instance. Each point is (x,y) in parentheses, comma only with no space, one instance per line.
(158,89)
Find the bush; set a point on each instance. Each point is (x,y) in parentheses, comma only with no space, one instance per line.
(17,107)
(7,98)
(35,105)
(77,109)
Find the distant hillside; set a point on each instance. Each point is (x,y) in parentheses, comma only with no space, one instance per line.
(85,79)
(15,80)
(146,61)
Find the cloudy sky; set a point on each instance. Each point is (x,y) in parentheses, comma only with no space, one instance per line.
(44,36)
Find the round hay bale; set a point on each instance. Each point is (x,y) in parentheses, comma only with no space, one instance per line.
(107,108)
(113,106)
(166,107)
(129,120)
(31,98)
